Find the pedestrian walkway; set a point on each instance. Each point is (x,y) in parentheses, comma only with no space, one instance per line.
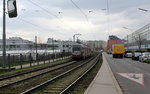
(104,82)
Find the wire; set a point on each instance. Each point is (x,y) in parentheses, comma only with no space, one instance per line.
(49,12)
(79,9)
(45,10)
(31,23)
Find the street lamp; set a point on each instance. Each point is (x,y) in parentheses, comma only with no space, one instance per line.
(127,35)
(144,10)
(74,36)
(127,28)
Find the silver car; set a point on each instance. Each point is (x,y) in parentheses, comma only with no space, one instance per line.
(128,55)
(143,57)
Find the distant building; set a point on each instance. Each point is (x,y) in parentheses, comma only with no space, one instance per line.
(113,40)
(17,43)
(112,37)
(53,44)
(64,46)
(97,45)
(139,40)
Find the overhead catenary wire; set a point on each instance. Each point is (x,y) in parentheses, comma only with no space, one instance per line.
(79,9)
(42,29)
(27,22)
(45,10)
(42,8)
(30,23)
(50,13)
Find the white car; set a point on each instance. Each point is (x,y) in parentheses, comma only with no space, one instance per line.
(143,57)
(128,55)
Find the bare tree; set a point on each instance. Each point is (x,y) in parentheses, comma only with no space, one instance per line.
(139,41)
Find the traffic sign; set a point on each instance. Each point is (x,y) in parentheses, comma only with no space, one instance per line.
(136,77)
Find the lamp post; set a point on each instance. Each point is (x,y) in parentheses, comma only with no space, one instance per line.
(144,10)
(127,37)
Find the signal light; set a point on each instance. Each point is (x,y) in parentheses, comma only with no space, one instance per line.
(12,8)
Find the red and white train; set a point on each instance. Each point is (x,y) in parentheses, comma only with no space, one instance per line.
(80,51)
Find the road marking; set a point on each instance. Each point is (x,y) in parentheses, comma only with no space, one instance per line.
(136,77)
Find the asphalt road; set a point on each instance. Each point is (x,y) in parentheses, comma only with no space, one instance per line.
(128,66)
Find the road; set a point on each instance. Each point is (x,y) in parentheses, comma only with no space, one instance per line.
(123,69)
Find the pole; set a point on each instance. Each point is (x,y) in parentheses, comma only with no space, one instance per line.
(108,22)
(77,39)
(36,47)
(127,42)
(63,51)
(4,35)
(53,48)
(73,38)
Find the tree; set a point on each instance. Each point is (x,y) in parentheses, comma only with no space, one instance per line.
(138,41)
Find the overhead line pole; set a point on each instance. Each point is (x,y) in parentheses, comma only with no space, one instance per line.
(4,35)
(36,47)
(108,17)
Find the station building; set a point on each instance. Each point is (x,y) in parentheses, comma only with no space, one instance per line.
(139,40)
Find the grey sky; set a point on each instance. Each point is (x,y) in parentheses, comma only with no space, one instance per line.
(46,21)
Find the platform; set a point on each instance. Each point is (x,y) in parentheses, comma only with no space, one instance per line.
(104,82)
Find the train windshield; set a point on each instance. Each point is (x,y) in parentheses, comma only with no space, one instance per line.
(76,48)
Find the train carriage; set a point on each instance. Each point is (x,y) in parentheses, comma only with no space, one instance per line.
(80,51)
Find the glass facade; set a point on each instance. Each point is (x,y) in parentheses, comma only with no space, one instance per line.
(140,39)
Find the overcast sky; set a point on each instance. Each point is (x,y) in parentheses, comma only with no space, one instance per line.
(61,19)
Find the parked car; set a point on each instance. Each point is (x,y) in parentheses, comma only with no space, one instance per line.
(144,56)
(128,55)
(109,52)
(135,55)
(148,59)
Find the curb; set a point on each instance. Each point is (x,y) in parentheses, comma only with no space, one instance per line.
(104,82)
(119,91)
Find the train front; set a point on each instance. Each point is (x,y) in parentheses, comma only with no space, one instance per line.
(77,53)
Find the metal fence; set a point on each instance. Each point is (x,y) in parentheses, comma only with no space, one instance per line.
(30,59)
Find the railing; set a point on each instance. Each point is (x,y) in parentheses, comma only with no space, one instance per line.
(29,59)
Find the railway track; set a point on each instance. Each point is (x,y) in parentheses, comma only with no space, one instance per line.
(64,81)
(24,76)
(8,76)
(19,83)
